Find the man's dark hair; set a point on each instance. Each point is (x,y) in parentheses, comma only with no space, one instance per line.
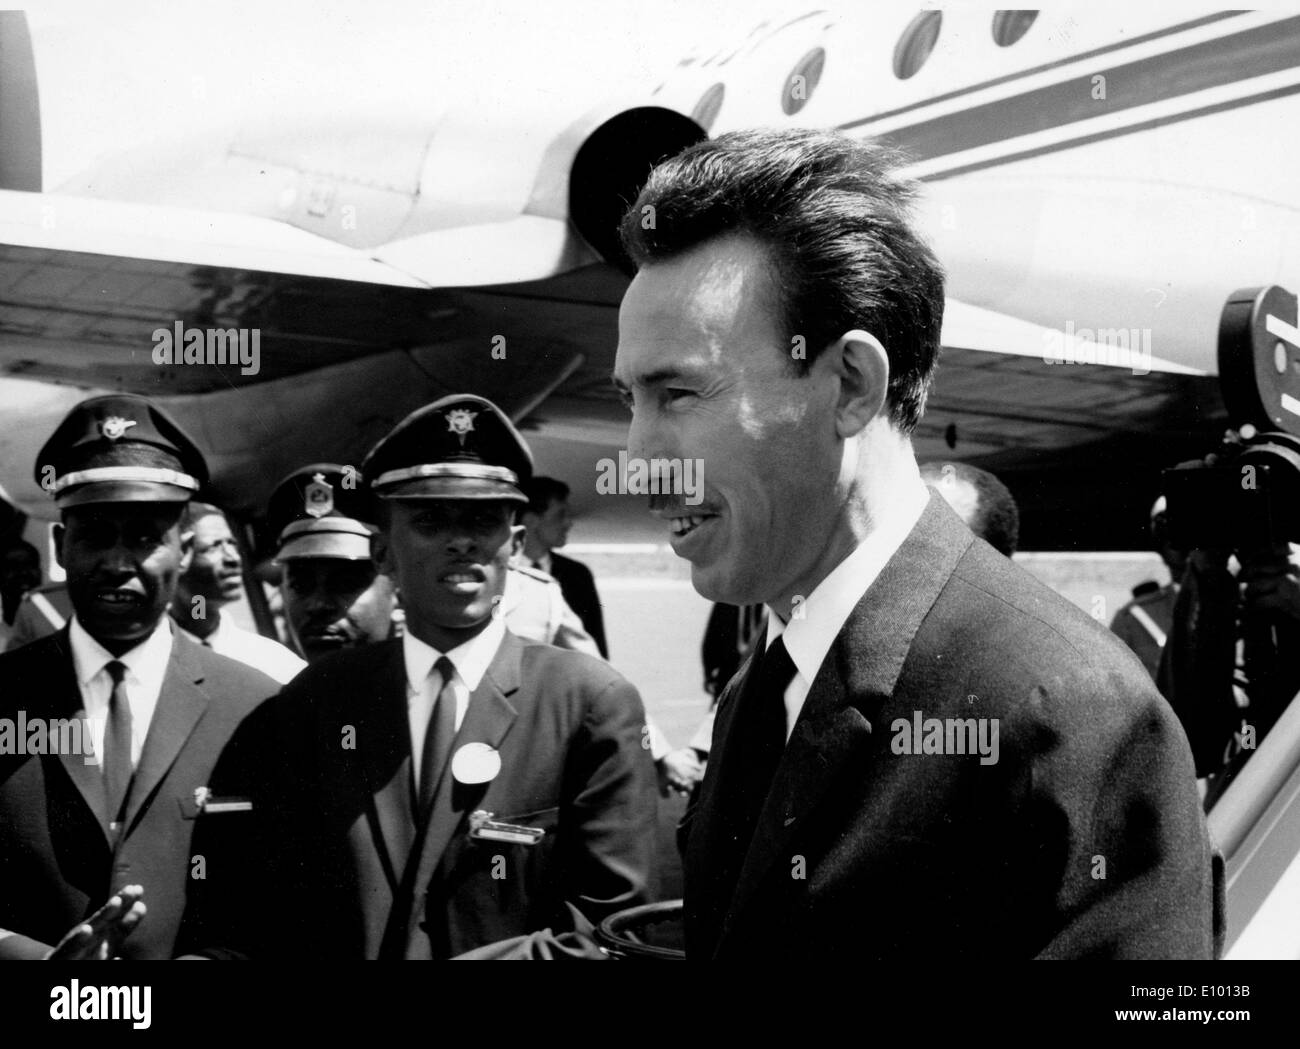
(542,492)
(835,221)
(997,518)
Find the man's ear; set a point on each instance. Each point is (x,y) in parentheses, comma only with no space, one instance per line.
(862,366)
(59,532)
(187,549)
(517,533)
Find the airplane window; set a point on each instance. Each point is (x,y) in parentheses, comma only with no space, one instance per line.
(1010,26)
(803,81)
(706,109)
(916,43)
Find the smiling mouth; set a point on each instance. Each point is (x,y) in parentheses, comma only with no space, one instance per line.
(681,526)
(463,575)
(119,598)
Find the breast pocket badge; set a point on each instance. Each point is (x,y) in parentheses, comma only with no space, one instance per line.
(482,827)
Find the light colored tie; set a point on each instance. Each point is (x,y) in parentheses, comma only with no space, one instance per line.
(117,743)
(438,738)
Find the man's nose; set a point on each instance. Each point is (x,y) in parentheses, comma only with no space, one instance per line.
(461,541)
(644,434)
(117,560)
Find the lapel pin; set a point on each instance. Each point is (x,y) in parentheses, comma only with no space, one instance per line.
(475,763)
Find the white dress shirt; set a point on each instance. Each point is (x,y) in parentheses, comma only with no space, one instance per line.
(471,661)
(817,621)
(253,650)
(146,666)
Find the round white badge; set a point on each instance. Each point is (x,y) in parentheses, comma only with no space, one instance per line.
(475,763)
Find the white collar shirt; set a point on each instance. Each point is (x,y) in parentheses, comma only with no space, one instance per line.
(471,661)
(146,666)
(816,622)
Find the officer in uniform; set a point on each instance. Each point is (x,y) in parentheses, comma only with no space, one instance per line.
(1144,623)
(455,787)
(334,596)
(81,822)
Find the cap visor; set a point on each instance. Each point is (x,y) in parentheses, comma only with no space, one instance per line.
(452,488)
(123,492)
(338,545)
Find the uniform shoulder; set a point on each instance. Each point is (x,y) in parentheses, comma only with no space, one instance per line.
(542,658)
(536,574)
(239,684)
(1025,631)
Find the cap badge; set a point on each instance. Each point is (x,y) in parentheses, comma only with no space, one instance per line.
(460,421)
(318,496)
(115,427)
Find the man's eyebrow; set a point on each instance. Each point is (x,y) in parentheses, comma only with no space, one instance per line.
(658,377)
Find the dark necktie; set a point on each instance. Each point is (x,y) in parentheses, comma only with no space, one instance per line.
(761,712)
(438,737)
(117,743)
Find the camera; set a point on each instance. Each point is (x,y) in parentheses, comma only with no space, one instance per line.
(1246,496)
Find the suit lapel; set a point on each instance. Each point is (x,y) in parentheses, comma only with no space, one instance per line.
(387,763)
(487,720)
(88,778)
(181,704)
(859,673)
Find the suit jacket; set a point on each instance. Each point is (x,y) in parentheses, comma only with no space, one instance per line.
(341,869)
(57,862)
(579,587)
(1084,839)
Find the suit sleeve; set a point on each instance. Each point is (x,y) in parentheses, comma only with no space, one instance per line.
(232,905)
(1137,880)
(612,813)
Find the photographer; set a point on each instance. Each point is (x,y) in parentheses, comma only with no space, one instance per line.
(1232,662)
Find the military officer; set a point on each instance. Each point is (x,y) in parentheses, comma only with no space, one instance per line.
(457,786)
(80,822)
(334,595)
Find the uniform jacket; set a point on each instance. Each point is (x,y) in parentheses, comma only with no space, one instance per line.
(534,608)
(1084,839)
(56,862)
(1145,622)
(337,838)
(579,587)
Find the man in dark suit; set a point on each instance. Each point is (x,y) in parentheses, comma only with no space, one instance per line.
(78,822)
(931,755)
(455,787)
(547,521)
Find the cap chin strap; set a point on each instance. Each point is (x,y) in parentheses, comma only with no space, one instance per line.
(155,474)
(464,470)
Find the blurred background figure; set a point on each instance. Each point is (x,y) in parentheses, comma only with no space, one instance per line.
(334,596)
(41,611)
(1144,623)
(214,580)
(728,638)
(20,572)
(980,499)
(548,521)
